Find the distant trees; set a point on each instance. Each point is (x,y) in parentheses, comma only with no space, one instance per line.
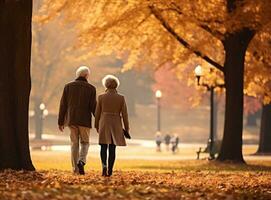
(176,92)
(50,66)
(265,131)
(15,51)
(134,82)
(258,84)
(252,107)
(162,31)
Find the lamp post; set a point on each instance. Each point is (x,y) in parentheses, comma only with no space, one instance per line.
(210,87)
(43,112)
(158,95)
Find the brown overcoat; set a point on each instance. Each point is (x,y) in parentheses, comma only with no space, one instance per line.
(111,110)
(77,103)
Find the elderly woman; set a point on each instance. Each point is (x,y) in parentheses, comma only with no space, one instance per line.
(111,108)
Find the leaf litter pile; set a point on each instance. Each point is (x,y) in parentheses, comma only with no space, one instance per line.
(55,184)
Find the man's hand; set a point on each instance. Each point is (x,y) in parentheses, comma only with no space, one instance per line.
(61,128)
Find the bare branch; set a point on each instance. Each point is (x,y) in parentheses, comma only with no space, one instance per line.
(55,91)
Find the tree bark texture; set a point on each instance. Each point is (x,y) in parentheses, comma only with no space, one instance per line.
(15,84)
(235,45)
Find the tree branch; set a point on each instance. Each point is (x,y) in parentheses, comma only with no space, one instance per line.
(200,23)
(214,33)
(136,26)
(55,91)
(182,41)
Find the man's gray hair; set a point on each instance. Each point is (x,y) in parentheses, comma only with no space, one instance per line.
(110,82)
(82,71)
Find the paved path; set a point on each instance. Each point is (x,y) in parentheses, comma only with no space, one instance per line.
(139,149)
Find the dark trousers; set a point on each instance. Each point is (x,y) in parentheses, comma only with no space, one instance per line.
(112,155)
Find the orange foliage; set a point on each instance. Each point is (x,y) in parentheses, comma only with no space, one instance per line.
(137,29)
(54,185)
(176,92)
(251,105)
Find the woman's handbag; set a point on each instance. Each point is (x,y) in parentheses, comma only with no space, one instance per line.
(126,134)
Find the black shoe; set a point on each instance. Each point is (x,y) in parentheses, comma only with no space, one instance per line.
(110,172)
(104,171)
(80,166)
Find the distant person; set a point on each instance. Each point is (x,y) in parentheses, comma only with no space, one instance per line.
(158,140)
(111,110)
(177,142)
(77,106)
(174,143)
(167,141)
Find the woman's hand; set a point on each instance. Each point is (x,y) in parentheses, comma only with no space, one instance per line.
(61,128)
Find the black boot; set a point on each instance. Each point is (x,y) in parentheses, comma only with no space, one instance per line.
(110,172)
(104,171)
(80,166)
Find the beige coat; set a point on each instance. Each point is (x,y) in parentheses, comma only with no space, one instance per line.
(111,110)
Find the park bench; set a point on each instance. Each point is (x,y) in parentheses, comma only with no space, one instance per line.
(216,148)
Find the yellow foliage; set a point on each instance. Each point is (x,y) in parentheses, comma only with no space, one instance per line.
(137,29)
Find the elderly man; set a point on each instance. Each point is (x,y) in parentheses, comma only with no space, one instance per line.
(77,105)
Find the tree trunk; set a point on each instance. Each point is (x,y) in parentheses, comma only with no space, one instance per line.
(235,45)
(215,116)
(265,131)
(251,119)
(15,52)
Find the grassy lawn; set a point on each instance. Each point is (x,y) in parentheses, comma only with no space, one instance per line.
(139,158)
(137,179)
(61,161)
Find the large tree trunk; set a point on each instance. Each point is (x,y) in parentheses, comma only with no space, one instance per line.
(265,131)
(15,51)
(235,45)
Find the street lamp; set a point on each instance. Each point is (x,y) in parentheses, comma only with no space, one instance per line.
(31,113)
(198,72)
(42,106)
(43,112)
(210,87)
(158,95)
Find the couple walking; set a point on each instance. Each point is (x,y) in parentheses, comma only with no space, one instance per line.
(78,104)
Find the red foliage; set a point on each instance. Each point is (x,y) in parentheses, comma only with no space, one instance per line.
(251,105)
(176,92)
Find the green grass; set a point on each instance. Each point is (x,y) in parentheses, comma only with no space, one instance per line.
(61,161)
